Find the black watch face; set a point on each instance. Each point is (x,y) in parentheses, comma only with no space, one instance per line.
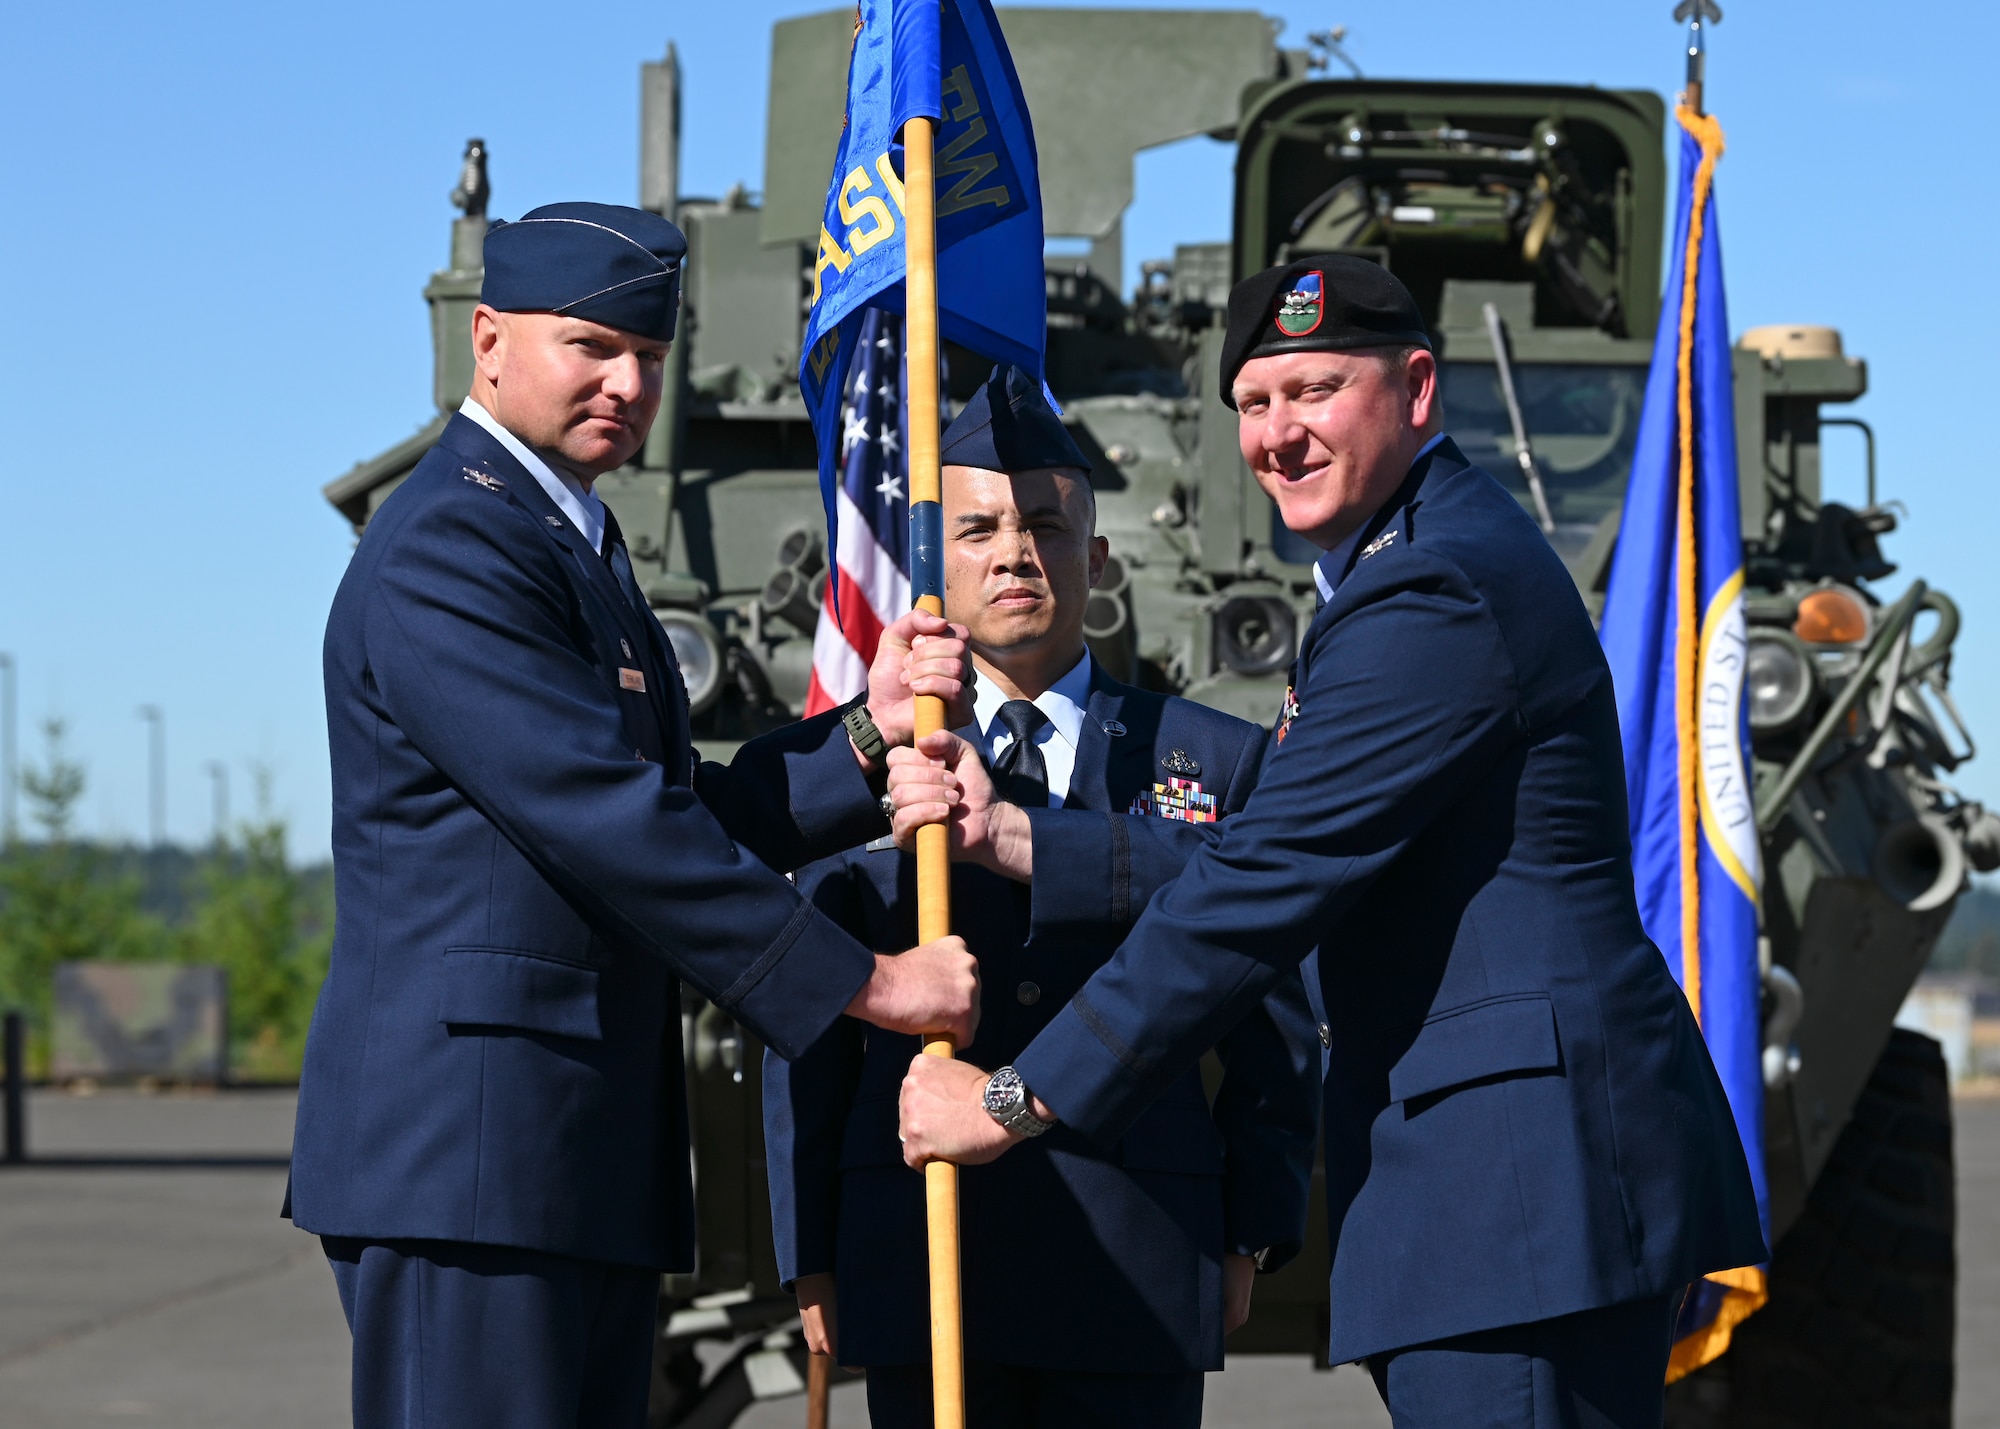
(1002,1095)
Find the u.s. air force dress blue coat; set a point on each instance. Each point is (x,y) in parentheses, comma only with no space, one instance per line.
(1077,1255)
(527,863)
(1521,1119)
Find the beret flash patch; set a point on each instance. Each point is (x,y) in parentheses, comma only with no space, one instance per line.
(1300,310)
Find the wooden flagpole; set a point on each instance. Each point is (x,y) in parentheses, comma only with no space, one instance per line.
(933,860)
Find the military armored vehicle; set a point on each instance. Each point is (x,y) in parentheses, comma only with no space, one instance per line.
(1528,221)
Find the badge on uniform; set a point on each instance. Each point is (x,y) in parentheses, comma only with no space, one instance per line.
(634,680)
(1378,543)
(1300,310)
(1182,799)
(1288,712)
(485,479)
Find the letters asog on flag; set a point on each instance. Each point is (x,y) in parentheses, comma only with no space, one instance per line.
(947,61)
(868,579)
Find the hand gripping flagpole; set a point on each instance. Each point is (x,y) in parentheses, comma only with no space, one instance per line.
(933,859)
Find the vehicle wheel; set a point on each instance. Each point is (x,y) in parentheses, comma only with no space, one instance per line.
(1858,1331)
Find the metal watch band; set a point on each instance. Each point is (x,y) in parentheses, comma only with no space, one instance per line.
(1020,1118)
(862,730)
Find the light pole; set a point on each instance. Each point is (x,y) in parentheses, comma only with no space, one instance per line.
(157,774)
(218,773)
(9,828)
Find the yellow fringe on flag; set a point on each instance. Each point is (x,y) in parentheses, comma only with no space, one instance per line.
(1704,129)
(1745,1289)
(1747,1293)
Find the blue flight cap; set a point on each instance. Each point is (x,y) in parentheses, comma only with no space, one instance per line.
(600,261)
(1009,426)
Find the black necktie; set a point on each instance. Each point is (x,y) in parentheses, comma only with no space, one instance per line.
(614,555)
(1019,773)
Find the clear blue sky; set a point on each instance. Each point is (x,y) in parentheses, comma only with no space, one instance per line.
(219,220)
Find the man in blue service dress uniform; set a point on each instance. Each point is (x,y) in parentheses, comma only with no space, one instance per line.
(1099,1279)
(492,1130)
(1528,1152)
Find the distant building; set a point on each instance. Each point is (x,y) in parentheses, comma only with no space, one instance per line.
(1951,1007)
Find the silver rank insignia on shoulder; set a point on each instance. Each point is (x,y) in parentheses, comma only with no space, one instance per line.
(631,680)
(1181,799)
(1182,763)
(483,478)
(1378,543)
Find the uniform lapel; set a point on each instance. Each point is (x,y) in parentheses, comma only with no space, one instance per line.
(1442,460)
(523,487)
(1111,768)
(655,660)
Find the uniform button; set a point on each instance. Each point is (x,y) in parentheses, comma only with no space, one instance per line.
(1325,1035)
(1027,994)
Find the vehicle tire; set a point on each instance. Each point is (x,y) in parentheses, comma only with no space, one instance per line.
(1858,1330)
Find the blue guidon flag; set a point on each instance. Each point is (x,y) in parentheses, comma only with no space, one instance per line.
(1673,634)
(948,61)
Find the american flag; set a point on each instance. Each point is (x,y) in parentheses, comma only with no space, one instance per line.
(870,570)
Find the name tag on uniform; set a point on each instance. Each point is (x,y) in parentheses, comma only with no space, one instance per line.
(631,680)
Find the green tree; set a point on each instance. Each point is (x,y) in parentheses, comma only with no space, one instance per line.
(61,898)
(251,916)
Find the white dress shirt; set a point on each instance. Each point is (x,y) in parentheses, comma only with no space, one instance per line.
(575,500)
(1064,703)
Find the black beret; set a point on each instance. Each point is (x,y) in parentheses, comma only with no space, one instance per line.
(612,265)
(1330,302)
(1009,426)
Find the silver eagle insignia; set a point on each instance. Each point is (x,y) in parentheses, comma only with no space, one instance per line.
(490,482)
(1378,543)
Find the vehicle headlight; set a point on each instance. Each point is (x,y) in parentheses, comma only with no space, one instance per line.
(1256,634)
(698,651)
(1780,680)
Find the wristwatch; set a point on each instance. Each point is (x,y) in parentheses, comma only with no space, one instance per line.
(1008,1102)
(862,730)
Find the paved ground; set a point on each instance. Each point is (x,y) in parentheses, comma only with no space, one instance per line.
(176,1297)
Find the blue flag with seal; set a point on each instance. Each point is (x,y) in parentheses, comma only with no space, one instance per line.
(1673,633)
(948,61)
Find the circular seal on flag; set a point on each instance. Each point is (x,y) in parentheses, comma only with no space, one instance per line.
(1300,310)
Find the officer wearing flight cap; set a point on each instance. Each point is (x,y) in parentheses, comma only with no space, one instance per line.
(1099,1280)
(492,1134)
(1528,1154)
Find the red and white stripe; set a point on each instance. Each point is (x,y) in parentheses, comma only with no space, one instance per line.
(873,592)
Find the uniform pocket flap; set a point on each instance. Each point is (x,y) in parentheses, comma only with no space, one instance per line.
(1485,1039)
(505,987)
(1173,1137)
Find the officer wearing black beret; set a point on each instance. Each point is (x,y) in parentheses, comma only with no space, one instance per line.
(1099,1281)
(1528,1154)
(492,1136)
